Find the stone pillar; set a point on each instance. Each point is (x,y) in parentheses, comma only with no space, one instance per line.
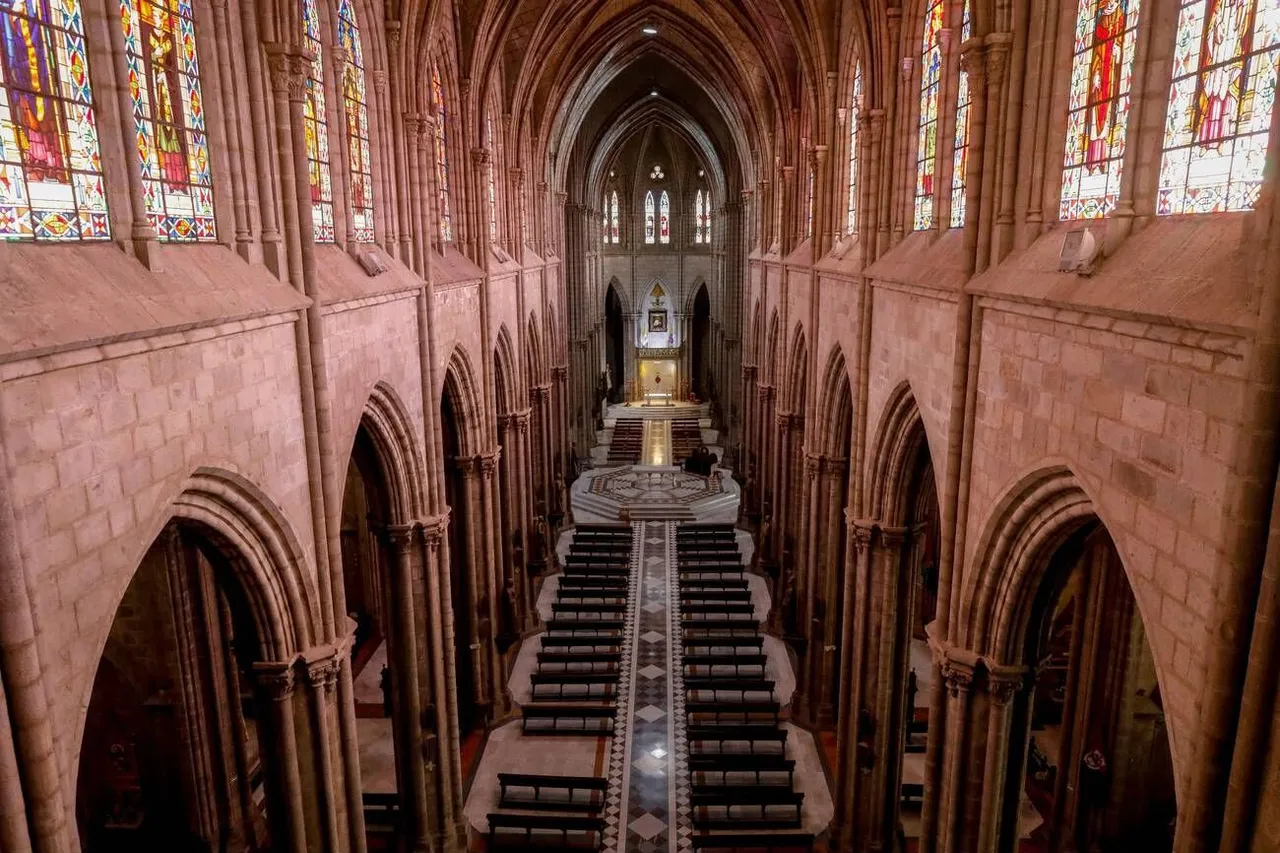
(493,574)
(321,671)
(1002,686)
(444,674)
(853,663)
(512,532)
(472,504)
(957,674)
(829,538)
(524,511)
(275,683)
(403,659)
(807,556)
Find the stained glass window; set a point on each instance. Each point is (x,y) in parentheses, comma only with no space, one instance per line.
(697,217)
(808,206)
(648,217)
(356,108)
(664,218)
(960,150)
(492,182)
(168,116)
(316,128)
(614,233)
(854,113)
(927,136)
(50,163)
(442,158)
(706,217)
(1224,84)
(1098,109)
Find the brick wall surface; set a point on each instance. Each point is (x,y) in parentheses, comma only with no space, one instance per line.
(98,453)
(1146,418)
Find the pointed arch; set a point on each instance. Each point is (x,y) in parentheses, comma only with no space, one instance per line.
(797,388)
(356,112)
(505,377)
(262,550)
(394,439)
(835,406)
(648,217)
(464,390)
(771,348)
(900,438)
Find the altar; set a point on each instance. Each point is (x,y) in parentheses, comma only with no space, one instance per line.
(657,379)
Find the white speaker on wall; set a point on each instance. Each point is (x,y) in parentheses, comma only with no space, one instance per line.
(372,263)
(1079,250)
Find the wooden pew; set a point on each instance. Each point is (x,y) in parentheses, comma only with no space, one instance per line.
(747,807)
(568,719)
(545,833)
(780,842)
(552,793)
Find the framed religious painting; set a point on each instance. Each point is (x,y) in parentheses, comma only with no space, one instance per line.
(658,321)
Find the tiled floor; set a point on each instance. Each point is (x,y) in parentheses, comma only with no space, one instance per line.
(647,798)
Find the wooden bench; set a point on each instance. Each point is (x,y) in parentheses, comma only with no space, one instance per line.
(755,642)
(583,645)
(912,792)
(576,719)
(592,583)
(546,833)
(588,625)
(573,686)
(737,686)
(714,596)
(589,611)
(381,813)
(730,608)
(750,769)
(736,584)
(781,842)
(767,740)
(606,661)
(553,793)
(746,713)
(720,628)
(747,807)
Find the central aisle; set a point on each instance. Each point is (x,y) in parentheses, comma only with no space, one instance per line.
(655,447)
(654,752)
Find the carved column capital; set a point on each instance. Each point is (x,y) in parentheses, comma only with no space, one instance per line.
(275,679)
(480,157)
(323,672)
(379,76)
(488,461)
(559,372)
(434,527)
(748,371)
(402,536)
(893,537)
(957,675)
(1004,684)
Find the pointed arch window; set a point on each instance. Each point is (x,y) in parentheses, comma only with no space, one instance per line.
(648,217)
(51,185)
(1220,100)
(706,218)
(355,105)
(442,158)
(1098,109)
(614,232)
(168,117)
(316,128)
(697,217)
(664,218)
(960,149)
(855,110)
(927,135)
(808,205)
(492,189)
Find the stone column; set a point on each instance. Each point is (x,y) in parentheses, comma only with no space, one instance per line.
(493,574)
(807,557)
(476,585)
(193,716)
(957,674)
(853,663)
(444,674)
(512,544)
(524,471)
(885,698)
(322,674)
(285,808)
(1002,686)
(404,666)
(833,474)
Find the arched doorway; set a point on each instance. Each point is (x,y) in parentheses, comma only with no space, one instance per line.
(180,750)
(1089,763)
(615,345)
(700,345)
